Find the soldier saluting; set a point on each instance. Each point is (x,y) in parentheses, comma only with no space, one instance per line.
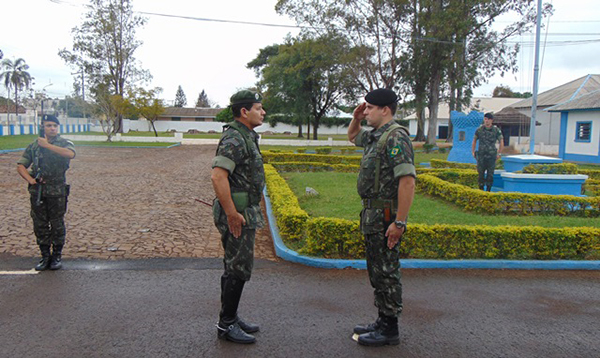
(50,155)
(386,183)
(238,179)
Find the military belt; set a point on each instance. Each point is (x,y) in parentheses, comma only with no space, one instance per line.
(379,204)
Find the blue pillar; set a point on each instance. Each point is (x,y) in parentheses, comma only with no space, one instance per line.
(12,129)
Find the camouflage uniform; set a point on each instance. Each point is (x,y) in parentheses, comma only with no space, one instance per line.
(397,160)
(48,217)
(243,160)
(487,154)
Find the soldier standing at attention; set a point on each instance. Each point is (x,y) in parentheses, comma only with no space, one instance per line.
(386,184)
(50,155)
(238,179)
(487,154)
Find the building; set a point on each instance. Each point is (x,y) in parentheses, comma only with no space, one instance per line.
(579,138)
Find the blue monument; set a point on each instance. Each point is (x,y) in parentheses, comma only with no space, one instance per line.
(465,126)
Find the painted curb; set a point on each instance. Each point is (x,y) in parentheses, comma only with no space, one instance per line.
(3,151)
(289,255)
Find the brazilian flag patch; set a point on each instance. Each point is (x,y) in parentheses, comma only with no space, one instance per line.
(395,151)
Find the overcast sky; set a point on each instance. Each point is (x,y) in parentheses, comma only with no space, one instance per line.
(212,56)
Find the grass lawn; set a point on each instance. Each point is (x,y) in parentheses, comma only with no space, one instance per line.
(338,198)
(22,141)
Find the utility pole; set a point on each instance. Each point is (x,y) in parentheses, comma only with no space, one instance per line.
(536,70)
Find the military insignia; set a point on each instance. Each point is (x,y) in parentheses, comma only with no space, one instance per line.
(394,151)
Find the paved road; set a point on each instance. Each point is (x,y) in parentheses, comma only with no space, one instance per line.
(167,308)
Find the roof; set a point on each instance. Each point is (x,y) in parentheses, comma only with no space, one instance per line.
(191,112)
(588,101)
(481,104)
(563,93)
(511,115)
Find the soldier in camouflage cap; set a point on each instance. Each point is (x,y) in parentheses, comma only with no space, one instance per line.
(238,179)
(486,155)
(50,155)
(386,183)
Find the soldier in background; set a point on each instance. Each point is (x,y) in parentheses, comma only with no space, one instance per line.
(50,155)
(486,155)
(386,184)
(238,179)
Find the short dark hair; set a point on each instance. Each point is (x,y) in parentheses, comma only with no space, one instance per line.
(237,108)
(392,106)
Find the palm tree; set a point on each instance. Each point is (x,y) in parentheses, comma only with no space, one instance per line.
(15,76)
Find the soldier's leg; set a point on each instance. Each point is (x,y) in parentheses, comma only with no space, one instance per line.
(480,172)
(41,228)
(385,276)
(58,230)
(238,261)
(490,167)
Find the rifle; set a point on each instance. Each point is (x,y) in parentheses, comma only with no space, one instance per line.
(37,162)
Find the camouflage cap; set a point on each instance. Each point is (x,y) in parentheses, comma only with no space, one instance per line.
(50,118)
(245,96)
(381,97)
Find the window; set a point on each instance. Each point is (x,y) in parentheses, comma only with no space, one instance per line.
(583,132)
(461,136)
(199,119)
(176,119)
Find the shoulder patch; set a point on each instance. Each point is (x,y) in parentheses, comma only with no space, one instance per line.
(395,151)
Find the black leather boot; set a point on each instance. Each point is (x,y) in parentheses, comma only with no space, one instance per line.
(234,333)
(360,329)
(229,326)
(44,263)
(248,327)
(56,259)
(386,334)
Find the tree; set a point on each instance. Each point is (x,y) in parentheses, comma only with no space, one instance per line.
(148,105)
(203,101)
(180,99)
(15,76)
(103,48)
(307,77)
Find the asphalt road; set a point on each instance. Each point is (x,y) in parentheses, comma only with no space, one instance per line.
(168,308)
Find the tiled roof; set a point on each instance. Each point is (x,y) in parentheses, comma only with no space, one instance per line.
(564,93)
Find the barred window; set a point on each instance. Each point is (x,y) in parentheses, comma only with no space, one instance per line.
(461,136)
(583,132)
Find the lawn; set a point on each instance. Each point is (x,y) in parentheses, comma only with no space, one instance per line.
(338,198)
(22,141)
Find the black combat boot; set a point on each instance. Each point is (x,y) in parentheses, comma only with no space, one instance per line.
(480,187)
(488,188)
(248,327)
(386,334)
(229,327)
(56,260)
(44,263)
(360,329)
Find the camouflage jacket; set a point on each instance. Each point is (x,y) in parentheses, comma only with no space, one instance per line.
(243,160)
(53,166)
(487,140)
(397,160)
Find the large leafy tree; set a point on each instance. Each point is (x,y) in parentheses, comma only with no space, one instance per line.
(180,99)
(148,105)
(308,76)
(103,48)
(15,76)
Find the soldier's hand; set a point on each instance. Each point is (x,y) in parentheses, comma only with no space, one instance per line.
(393,235)
(43,142)
(235,222)
(359,112)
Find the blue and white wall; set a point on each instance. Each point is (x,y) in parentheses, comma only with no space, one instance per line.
(570,147)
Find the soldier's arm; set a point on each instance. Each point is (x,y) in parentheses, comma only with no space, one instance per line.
(63,152)
(474,145)
(235,220)
(357,117)
(24,173)
(501,140)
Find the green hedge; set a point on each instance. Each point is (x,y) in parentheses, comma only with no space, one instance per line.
(439,163)
(270,157)
(339,238)
(562,168)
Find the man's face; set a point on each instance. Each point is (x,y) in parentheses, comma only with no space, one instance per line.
(256,115)
(373,115)
(50,129)
(487,122)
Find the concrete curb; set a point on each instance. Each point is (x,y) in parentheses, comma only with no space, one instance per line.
(3,151)
(289,255)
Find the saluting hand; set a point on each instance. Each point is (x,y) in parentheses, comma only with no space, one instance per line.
(359,112)
(235,222)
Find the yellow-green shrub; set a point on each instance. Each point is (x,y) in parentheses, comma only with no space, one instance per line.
(314,167)
(562,168)
(270,157)
(439,163)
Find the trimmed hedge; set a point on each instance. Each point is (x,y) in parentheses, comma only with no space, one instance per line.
(270,157)
(439,163)
(339,238)
(562,168)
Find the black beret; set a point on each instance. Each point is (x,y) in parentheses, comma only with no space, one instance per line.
(50,118)
(489,115)
(245,96)
(381,97)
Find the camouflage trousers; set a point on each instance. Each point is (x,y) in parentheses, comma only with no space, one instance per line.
(383,266)
(485,167)
(239,252)
(49,220)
